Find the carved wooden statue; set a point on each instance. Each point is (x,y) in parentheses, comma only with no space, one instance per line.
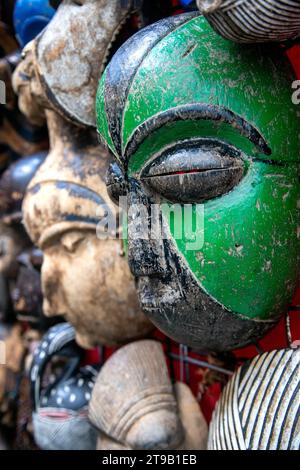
(84,278)
(135,406)
(259,408)
(207,142)
(70,54)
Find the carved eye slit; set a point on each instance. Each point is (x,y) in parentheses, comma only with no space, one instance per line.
(194,171)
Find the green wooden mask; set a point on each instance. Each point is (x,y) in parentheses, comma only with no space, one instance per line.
(199,123)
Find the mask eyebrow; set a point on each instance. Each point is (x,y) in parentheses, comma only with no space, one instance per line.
(195,112)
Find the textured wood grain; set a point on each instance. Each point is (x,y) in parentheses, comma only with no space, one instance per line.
(253,20)
(259,408)
(135,406)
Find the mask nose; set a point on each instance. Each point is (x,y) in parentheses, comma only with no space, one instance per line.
(146,252)
(51,289)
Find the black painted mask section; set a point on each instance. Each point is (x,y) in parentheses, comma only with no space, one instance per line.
(73,387)
(170,295)
(115,182)
(121,70)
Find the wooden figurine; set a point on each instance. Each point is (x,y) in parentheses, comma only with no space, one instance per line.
(84,277)
(259,408)
(70,54)
(207,142)
(134,405)
(192,419)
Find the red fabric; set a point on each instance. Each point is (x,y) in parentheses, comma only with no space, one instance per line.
(294,56)
(209,400)
(210,394)
(92,356)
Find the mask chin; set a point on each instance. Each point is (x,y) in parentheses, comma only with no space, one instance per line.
(178,305)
